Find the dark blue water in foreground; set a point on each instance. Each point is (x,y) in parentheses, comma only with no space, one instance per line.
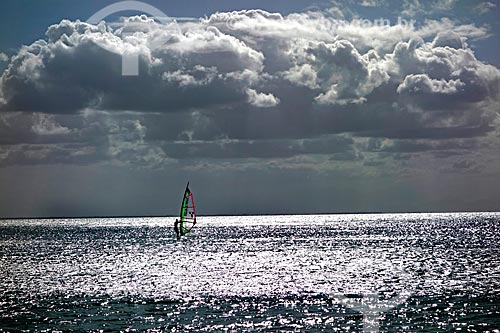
(341,273)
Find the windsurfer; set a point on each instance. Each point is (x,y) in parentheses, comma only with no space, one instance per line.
(176,228)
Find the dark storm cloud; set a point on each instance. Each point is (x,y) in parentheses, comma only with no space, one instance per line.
(242,84)
(80,66)
(448,76)
(224,59)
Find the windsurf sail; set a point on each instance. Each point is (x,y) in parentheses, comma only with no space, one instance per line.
(188,212)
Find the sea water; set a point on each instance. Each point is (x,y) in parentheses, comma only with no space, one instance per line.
(312,273)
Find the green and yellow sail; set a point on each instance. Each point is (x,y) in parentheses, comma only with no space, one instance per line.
(188,212)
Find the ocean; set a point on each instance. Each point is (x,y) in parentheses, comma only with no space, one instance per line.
(311,273)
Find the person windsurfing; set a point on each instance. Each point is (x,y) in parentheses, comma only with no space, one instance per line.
(176,228)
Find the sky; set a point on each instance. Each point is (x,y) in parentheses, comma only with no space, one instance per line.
(266,107)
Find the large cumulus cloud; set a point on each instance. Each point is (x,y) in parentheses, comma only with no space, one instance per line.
(216,85)
(79,66)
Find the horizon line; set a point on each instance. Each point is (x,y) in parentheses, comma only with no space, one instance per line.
(222,215)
